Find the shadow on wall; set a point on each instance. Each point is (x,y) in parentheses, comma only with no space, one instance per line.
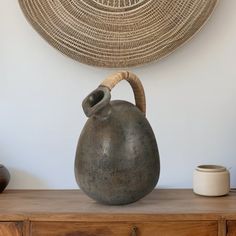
(19,176)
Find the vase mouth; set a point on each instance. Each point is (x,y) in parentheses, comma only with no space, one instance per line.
(96,101)
(211,168)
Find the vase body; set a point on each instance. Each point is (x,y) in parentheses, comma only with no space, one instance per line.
(4,178)
(117,159)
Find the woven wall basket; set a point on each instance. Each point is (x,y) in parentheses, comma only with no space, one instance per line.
(116,33)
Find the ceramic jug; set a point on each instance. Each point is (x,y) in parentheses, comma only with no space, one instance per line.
(4,177)
(117,159)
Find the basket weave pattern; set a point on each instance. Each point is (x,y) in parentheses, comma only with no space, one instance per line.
(116,33)
(118,3)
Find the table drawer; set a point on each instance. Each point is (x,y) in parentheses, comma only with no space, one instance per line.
(11,229)
(185,228)
(79,229)
(181,228)
(231,228)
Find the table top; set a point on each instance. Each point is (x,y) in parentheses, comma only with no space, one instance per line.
(68,205)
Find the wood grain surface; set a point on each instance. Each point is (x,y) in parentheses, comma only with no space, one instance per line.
(205,228)
(71,213)
(74,205)
(11,229)
(231,228)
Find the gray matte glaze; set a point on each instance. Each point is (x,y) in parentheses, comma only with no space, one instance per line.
(117,159)
(4,177)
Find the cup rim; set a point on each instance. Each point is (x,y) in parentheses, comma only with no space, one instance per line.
(210,168)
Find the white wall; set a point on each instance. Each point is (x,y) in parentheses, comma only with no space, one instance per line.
(191,102)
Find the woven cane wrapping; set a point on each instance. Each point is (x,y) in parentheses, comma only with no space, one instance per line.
(139,94)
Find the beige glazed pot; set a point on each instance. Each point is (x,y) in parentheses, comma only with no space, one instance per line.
(211,180)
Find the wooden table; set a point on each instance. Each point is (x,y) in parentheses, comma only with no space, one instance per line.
(72,213)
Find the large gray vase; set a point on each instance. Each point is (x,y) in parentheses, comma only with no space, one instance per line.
(117,160)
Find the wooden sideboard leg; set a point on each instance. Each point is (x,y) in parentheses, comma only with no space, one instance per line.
(26,228)
(222,227)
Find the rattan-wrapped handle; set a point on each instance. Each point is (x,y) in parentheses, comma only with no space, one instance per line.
(135,83)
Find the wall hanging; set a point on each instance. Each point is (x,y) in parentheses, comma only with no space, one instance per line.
(117,33)
(117,159)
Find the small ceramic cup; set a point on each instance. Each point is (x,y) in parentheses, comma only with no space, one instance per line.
(211,180)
